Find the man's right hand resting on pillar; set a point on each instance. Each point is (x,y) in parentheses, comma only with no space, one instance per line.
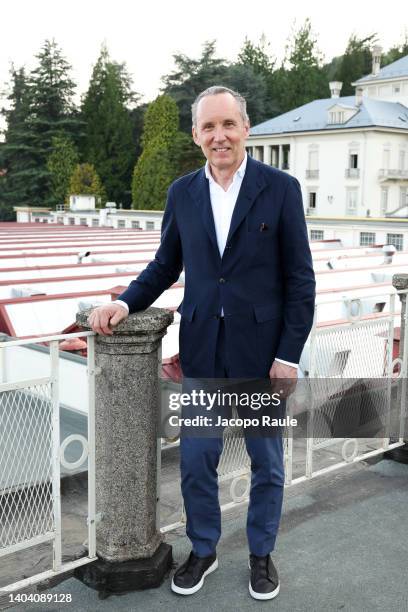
(103,318)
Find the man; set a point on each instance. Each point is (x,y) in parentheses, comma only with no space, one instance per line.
(238,228)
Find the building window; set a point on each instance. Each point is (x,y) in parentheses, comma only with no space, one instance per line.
(150,225)
(95,222)
(351,201)
(316,235)
(367,238)
(353,160)
(384,200)
(37,220)
(403,196)
(60,219)
(135,224)
(312,200)
(401,160)
(313,165)
(285,157)
(397,240)
(250,151)
(71,220)
(82,221)
(396,88)
(386,158)
(121,223)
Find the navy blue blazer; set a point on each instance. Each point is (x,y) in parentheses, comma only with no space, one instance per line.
(264,280)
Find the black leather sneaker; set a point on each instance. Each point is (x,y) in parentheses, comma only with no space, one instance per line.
(189,577)
(264,581)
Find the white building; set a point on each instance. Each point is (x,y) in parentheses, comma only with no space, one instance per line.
(350,153)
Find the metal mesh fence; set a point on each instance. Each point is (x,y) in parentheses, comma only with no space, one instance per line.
(26,505)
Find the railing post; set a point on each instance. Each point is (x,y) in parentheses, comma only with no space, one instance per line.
(400,282)
(130,548)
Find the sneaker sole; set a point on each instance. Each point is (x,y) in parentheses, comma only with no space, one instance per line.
(197,587)
(262,596)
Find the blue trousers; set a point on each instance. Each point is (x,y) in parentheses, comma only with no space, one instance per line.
(199,458)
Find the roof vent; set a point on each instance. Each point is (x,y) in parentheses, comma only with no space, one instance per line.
(25,291)
(376,54)
(297,118)
(388,250)
(335,88)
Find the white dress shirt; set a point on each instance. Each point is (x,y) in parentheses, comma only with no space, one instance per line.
(223,204)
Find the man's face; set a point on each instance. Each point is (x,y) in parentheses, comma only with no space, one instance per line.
(221,131)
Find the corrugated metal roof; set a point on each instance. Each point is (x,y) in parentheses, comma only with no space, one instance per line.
(314,116)
(397,69)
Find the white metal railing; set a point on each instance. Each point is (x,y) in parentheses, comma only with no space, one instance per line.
(308,457)
(31,455)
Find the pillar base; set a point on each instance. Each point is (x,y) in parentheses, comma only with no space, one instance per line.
(399,454)
(109,577)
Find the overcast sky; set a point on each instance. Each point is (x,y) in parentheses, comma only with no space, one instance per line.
(145,35)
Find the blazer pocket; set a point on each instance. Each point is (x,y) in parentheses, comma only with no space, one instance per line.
(187,311)
(266,312)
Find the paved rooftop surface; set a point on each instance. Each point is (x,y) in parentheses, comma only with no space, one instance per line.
(342,546)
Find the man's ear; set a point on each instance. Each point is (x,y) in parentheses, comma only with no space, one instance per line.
(195,136)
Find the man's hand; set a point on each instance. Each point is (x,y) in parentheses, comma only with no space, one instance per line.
(103,318)
(283,378)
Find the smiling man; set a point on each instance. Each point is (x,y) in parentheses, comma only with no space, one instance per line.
(238,228)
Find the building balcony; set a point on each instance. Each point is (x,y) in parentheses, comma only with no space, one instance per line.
(312,174)
(352,173)
(389,174)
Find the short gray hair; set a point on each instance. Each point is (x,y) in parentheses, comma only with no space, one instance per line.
(214,91)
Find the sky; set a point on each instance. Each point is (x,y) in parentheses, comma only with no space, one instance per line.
(146,35)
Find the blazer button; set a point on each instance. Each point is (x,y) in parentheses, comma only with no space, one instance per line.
(222,280)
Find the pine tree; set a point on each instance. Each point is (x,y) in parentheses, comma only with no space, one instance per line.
(192,76)
(301,78)
(85,180)
(52,112)
(355,63)
(61,165)
(108,141)
(17,152)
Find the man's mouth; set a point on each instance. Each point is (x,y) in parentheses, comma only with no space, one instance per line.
(221,149)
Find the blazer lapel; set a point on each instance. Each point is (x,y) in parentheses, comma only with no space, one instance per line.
(252,185)
(200,191)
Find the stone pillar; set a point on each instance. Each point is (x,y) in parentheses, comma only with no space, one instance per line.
(130,548)
(280,157)
(400,282)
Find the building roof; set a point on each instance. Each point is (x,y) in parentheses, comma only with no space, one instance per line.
(397,69)
(313,116)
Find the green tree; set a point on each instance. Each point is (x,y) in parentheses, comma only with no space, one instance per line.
(85,180)
(152,176)
(17,154)
(108,141)
(396,52)
(301,78)
(192,76)
(262,88)
(61,165)
(156,168)
(51,113)
(355,63)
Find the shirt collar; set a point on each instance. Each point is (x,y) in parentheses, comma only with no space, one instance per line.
(240,172)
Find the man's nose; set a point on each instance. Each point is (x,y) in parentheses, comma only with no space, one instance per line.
(219,135)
